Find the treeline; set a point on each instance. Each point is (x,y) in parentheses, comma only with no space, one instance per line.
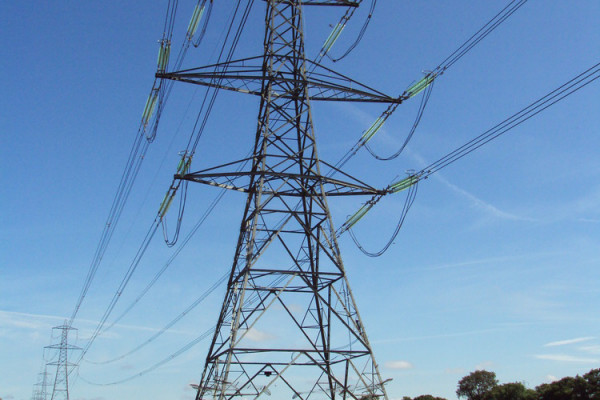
(483,385)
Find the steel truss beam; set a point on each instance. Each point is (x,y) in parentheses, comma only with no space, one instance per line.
(245,76)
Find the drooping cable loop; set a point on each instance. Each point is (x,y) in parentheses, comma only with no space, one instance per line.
(558,94)
(359,37)
(164,88)
(410,198)
(336,32)
(425,84)
(208,13)
(427,88)
(182,169)
(395,187)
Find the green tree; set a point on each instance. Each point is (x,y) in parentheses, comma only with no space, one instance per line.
(568,388)
(477,385)
(428,397)
(511,391)
(592,380)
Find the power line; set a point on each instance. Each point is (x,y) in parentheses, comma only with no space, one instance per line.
(541,104)
(132,168)
(410,198)
(558,94)
(425,84)
(165,203)
(196,302)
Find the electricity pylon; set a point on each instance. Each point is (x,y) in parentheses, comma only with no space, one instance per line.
(60,387)
(39,388)
(289,324)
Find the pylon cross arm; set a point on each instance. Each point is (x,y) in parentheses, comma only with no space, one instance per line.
(247,76)
(241,181)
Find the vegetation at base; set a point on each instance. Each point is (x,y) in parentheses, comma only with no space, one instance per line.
(483,385)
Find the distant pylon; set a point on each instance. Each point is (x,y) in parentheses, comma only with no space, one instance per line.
(60,387)
(39,388)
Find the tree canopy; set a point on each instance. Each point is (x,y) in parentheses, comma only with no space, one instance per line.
(476,385)
(511,391)
(483,385)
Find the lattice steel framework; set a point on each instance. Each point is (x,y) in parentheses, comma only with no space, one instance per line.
(288,325)
(60,387)
(39,388)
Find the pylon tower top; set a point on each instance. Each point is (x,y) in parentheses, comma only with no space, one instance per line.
(60,385)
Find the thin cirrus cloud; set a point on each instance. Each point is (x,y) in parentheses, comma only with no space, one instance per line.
(593,349)
(486,207)
(566,358)
(569,341)
(398,364)
(258,336)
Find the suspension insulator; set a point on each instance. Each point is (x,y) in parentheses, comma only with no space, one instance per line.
(333,36)
(420,85)
(195,21)
(373,129)
(403,184)
(163,55)
(357,216)
(166,203)
(149,109)
(184,165)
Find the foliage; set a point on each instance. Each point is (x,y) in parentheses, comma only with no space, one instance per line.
(511,391)
(483,385)
(592,380)
(568,388)
(476,385)
(586,387)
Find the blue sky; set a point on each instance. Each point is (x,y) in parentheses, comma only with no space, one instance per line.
(496,266)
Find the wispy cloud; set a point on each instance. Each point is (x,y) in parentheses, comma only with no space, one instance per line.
(475,201)
(492,260)
(566,358)
(258,336)
(454,371)
(25,320)
(488,208)
(398,364)
(590,220)
(36,322)
(440,336)
(569,341)
(484,365)
(593,349)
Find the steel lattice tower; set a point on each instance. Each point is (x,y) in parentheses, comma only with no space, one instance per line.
(287,265)
(39,391)
(60,387)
